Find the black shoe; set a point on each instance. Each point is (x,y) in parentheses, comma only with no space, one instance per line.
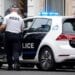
(16,67)
(10,68)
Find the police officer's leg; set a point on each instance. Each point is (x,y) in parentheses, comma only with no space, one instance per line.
(9,52)
(16,49)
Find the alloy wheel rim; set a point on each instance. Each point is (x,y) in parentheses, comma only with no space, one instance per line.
(46,59)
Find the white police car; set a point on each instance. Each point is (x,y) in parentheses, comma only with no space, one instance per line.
(48,40)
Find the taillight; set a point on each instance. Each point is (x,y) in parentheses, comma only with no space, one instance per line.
(62,37)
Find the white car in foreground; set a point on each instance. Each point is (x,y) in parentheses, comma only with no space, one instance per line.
(49,40)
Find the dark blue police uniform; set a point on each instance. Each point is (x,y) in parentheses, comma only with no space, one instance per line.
(14,24)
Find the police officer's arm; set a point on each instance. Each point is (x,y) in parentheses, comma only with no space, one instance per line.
(3,26)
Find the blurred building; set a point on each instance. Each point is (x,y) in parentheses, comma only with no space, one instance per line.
(69,7)
(29,8)
(37,6)
(5,5)
(63,7)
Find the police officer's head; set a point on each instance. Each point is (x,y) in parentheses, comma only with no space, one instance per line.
(14,8)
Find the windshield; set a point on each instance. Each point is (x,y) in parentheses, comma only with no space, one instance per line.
(69,26)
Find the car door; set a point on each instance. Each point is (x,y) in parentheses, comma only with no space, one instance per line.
(33,37)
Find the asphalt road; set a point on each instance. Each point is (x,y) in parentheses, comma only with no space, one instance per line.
(35,71)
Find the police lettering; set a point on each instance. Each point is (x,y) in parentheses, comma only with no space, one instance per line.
(28,45)
(14,18)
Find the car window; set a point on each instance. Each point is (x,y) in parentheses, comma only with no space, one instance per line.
(41,25)
(69,26)
(28,23)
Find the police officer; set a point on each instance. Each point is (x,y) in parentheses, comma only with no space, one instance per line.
(13,25)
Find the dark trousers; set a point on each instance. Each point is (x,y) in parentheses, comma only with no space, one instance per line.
(13,47)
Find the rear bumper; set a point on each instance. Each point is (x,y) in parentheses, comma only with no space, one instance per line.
(63,52)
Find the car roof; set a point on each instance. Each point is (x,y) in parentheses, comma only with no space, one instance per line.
(50,17)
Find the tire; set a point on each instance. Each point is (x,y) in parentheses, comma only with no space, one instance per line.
(46,60)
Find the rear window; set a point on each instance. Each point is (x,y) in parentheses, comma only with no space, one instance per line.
(69,26)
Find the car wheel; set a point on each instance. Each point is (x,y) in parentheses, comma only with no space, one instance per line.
(46,60)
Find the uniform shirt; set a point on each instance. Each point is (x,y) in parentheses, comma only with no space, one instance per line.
(14,23)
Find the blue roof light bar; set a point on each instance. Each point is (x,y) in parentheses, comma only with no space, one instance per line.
(49,14)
